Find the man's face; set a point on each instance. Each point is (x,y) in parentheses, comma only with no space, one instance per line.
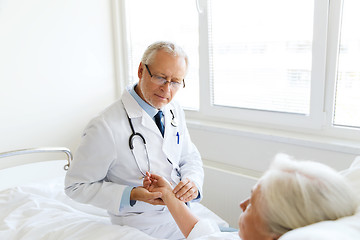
(251,223)
(172,68)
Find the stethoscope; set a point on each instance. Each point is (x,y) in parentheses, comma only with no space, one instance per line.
(134,134)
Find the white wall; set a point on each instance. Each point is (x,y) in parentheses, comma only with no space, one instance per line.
(56,70)
(236,156)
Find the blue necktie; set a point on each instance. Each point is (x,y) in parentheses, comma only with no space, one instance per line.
(159,123)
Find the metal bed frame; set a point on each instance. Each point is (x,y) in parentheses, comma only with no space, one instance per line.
(41,150)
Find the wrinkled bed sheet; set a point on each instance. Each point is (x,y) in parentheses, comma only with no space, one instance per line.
(43,211)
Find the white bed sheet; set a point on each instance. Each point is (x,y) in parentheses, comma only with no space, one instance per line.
(41,210)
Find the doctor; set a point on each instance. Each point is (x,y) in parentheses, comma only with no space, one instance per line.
(143,131)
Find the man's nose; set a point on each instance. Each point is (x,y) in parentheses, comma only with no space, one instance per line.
(167,86)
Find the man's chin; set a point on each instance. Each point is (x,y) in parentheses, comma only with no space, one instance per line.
(158,105)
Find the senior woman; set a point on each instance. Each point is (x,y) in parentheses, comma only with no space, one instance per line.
(290,195)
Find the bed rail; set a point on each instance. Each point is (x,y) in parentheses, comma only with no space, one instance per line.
(40,150)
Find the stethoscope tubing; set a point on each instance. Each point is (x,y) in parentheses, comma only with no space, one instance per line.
(131,146)
(137,134)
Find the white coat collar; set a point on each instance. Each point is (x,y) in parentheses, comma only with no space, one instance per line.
(134,110)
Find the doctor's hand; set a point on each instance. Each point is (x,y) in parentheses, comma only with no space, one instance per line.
(142,194)
(186,190)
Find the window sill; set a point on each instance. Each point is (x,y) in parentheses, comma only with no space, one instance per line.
(281,136)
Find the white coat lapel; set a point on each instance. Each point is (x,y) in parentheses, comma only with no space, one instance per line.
(134,110)
(150,124)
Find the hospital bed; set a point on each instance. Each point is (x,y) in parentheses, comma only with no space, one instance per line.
(33,204)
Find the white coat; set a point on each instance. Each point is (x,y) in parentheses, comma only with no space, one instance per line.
(103,165)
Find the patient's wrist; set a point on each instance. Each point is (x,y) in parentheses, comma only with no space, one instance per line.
(168,195)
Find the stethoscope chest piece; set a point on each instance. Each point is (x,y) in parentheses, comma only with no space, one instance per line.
(174,122)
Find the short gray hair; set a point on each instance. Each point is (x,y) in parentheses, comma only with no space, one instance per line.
(168,47)
(299,193)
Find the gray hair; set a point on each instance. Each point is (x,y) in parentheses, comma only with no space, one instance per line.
(294,194)
(168,47)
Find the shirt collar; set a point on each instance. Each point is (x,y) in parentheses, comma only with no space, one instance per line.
(144,105)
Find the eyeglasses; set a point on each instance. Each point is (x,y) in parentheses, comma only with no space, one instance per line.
(162,81)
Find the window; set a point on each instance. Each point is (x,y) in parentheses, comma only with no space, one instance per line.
(262,58)
(347,95)
(284,63)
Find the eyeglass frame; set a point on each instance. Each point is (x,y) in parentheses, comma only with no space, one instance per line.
(163,77)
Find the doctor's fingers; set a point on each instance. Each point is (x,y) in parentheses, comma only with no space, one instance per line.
(157,201)
(191,197)
(181,184)
(154,198)
(187,191)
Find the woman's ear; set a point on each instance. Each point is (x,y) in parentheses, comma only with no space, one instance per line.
(276,236)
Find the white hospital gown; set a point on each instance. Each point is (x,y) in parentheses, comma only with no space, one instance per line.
(209,230)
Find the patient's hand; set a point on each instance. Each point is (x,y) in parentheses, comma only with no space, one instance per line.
(156,183)
(186,190)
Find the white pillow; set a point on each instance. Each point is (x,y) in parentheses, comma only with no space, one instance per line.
(353,175)
(347,228)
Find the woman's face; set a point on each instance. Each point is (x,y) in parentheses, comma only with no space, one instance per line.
(251,223)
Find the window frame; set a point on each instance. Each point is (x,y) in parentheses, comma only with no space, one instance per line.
(313,120)
(334,30)
(326,31)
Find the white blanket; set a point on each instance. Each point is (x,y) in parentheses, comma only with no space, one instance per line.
(43,211)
